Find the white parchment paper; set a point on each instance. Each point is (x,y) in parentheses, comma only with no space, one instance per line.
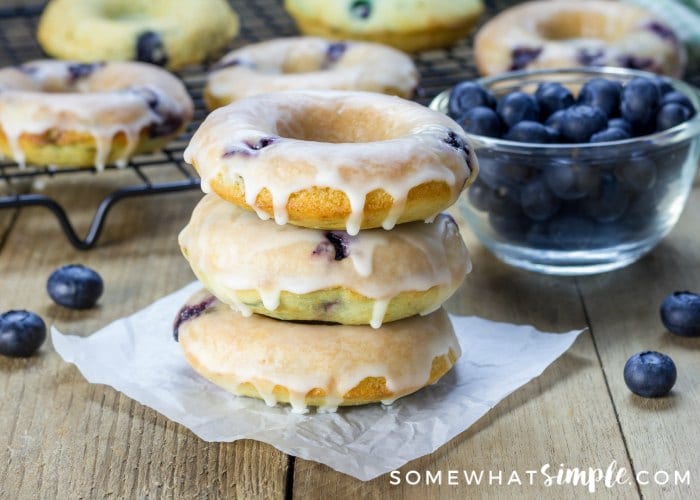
(138,356)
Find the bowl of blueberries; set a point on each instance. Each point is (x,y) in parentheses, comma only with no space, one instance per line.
(582,170)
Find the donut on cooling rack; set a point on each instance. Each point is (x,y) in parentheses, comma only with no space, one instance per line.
(170,33)
(293,273)
(409,25)
(264,358)
(74,114)
(310,63)
(551,34)
(333,159)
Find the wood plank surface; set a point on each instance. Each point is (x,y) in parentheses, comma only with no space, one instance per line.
(663,435)
(64,438)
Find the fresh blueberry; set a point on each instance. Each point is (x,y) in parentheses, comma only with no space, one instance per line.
(21,333)
(670,115)
(551,97)
(75,286)
(650,374)
(480,195)
(663,84)
(521,57)
(581,122)
(640,101)
(513,227)
(556,120)
(150,49)
(609,201)
(468,95)
(602,94)
(571,232)
(537,201)
(678,98)
(529,131)
(639,174)
(516,107)
(361,9)
(680,313)
(571,181)
(610,134)
(622,124)
(481,121)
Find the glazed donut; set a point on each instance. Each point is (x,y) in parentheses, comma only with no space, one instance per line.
(552,34)
(314,364)
(310,63)
(73,114)
(333,159)
(170,33)
(409,25)
(293,273)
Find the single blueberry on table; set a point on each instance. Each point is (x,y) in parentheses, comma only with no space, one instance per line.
(481,121)
(516,107)
(602,94)
(551,97)
(571,181)
(677,98)
(610,134)
(150,49)
(467,95)
(21,333)
(75,286)
(609,201)
(621,123)
(650,374)
(581,121)
(640,101)
(521,57)
(680,314)
(530,131)
(670,115)
(361,9)
(538,202)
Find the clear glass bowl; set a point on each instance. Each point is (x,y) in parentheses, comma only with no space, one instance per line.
(611,202)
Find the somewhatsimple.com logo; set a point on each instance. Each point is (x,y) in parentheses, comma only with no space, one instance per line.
(586,477)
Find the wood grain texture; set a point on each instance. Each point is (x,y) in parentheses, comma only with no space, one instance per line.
(662,434)
(64,438)
(564,416)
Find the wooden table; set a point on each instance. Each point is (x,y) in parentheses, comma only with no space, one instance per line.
(61,437)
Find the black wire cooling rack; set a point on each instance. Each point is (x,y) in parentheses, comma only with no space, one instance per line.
(260,20)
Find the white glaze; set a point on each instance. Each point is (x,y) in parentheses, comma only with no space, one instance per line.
(378,142)
(301,63)
(233,350)
(42,97)
(231,250)
(616,30)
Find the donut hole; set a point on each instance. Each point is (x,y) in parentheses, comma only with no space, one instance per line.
(349,125)
(571,25)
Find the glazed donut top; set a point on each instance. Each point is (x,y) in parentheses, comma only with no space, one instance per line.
(301,356)
(354,142)
(101,99)
(312,63)
(548,34)
(245,253)
(369,16)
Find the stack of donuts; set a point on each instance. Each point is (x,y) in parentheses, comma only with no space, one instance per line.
(322,247)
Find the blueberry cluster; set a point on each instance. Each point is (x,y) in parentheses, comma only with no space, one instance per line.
(604,111)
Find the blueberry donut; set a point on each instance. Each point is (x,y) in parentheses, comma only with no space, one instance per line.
(171,33)
(554,34)
(317,365)
(310,63)
(294,273)
(333,159)
(409,25)
(75,114)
